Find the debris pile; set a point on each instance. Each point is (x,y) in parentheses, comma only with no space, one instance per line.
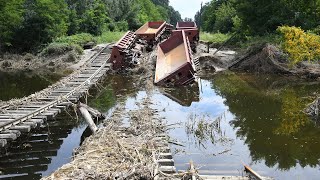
(118,152)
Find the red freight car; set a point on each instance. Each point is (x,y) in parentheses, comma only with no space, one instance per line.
(122,54)
(151,32)
(191,31)
(174,62)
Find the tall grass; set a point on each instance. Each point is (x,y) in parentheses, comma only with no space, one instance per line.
(77,39)
(109,37)
(76,42)
(214,37)
(250,41)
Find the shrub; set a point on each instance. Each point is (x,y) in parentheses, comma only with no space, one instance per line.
(214,38)
(109,37)
(300,45)
(78,39)
(316,30)
(55,49)
(122,25)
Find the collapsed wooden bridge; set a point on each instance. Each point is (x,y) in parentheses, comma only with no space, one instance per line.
(22,117)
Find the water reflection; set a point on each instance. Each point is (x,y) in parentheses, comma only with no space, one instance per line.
(17,85)
(183,95)
(49,147)
(203,128)
(34,155)
(269,118)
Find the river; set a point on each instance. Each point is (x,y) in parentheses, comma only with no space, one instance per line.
(225,121)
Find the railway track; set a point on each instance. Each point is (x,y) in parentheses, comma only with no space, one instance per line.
(18,119)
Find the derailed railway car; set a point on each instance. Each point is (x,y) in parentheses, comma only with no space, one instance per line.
(122,54)
(191,31)
(151,32)
(175,66)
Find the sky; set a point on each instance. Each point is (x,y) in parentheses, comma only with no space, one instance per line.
(187,8)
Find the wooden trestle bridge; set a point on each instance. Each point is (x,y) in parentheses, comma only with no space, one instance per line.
(21,118)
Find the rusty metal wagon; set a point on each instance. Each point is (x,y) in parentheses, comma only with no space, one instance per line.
(191,31)
(151,32)
(122,54)
(174,62)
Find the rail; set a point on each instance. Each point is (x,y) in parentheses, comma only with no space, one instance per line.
(59,100)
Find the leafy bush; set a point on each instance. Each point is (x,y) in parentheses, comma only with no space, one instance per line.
(108,37)
(214,38)
(245,41)
(316,30)
(122,25)
(224,18)
(78,39)
(300,45)
(55,49)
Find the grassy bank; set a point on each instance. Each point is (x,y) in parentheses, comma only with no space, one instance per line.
(297,44)
(76,42)
(214,37)
(240,43)
(109,37)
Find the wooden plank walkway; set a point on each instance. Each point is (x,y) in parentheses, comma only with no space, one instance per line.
(21,118)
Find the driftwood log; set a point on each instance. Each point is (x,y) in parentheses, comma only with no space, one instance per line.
(88,112)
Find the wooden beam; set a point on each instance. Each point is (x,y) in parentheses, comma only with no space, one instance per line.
(21,128)
(10,137)
(252,172)
(16,132)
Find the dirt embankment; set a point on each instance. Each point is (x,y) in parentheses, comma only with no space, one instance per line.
(265,58)
(269,59)
(60,64)
(215,60)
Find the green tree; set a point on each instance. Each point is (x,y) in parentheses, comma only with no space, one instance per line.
(174,16)
(43,21)
(147,11)
(10,19)
(266,15)
(224,18)
(93,19)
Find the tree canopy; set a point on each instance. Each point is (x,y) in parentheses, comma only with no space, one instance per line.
(259,16)
(27,25)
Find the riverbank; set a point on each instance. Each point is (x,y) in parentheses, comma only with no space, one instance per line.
(235,90)
(58,64)
(42,69)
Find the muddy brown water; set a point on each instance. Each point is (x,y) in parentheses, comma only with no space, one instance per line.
(227,120)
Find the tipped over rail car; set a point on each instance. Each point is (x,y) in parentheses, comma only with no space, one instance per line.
(174,65)
(122,54)
(191,31)
(151,32)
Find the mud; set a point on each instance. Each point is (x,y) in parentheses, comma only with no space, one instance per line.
(215,60)
(63,64)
